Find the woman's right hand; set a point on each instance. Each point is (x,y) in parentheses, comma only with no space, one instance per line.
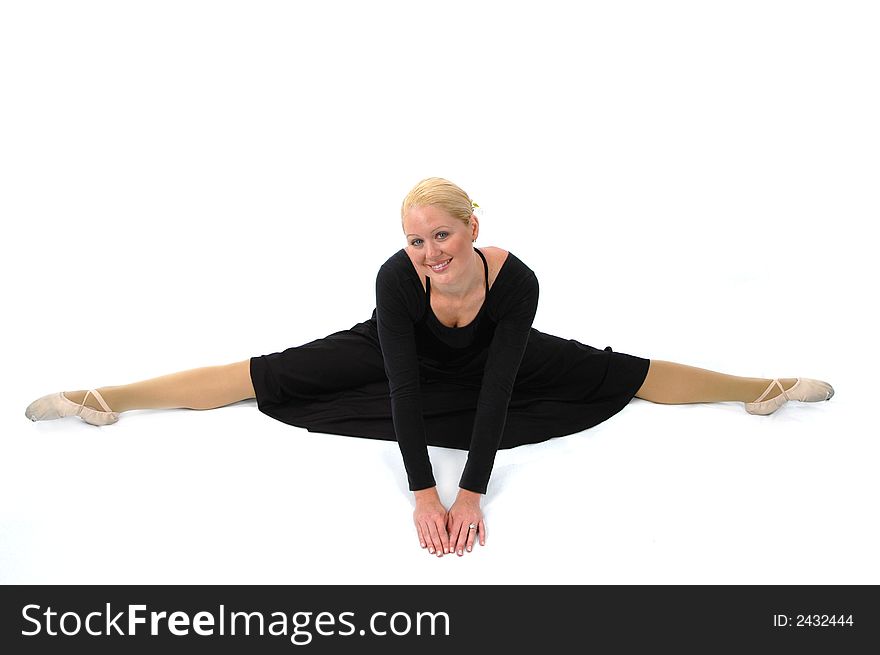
(430,519)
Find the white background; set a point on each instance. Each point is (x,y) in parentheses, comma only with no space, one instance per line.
(194,183)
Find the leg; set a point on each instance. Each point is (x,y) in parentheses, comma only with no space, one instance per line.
(198,388)
(674,384)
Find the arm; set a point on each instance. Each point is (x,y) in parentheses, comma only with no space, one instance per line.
(397,340)
(505,355)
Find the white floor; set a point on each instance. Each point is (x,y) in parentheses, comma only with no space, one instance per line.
(680,196)
(657,494)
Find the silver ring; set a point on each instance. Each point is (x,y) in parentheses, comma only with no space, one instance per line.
(472,526)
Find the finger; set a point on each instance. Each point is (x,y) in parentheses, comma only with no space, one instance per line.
(462,538)
(444,536)
(472,534)
(453,525)
(454,536)
(422,540)
(482,530)
(435,539)
(426,535)
(434,546)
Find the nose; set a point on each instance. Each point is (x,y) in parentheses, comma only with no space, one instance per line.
(432,252)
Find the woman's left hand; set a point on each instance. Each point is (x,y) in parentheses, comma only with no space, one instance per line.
(465,511)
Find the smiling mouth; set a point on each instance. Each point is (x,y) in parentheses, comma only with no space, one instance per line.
(442,266)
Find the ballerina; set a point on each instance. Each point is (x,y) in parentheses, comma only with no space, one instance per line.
(448,358)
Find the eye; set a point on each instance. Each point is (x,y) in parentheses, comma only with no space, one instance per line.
(415,242)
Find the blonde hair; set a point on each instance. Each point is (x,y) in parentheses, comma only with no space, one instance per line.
(439,192)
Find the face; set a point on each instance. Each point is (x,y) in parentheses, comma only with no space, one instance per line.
(433,237)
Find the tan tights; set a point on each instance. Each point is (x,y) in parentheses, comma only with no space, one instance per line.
(198,388)
(216,386)
(675,384)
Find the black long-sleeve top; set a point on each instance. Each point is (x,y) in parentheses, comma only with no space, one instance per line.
(510,304)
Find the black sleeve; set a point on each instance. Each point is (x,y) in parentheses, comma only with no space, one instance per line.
(394,320)
(516,314)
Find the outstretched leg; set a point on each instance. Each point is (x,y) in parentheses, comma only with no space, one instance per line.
(674,384)
(198,388)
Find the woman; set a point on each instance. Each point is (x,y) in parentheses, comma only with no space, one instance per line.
(448,358)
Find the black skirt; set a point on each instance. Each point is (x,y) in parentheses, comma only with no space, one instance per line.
(337,385)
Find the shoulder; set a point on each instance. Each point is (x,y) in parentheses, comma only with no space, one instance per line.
(495,258)
(516,285)
(508,265)
(393,270)
(397,283)
(395,261)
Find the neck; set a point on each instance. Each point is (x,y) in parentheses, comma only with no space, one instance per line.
(466,287)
